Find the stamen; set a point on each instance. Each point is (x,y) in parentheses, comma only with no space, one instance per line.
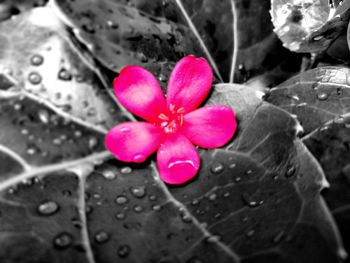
(181,110)
(181,119)
(172,108)
(163,117)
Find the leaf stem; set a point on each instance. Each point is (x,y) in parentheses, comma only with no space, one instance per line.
(235,43)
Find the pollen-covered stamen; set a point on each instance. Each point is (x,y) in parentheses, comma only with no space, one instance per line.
(173,120)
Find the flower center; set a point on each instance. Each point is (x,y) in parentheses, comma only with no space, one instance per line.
(173,120)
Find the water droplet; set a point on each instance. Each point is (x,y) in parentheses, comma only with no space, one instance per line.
(126,170)
(31,151)
(232,165)
(108,174)
(217,168)
(195,202)
(138,191)
(185,216)
(101,237)
(250,233)
(322,96)
(78,134)
(120,216)
(278,237)
(138,208)
(237,179)
(121,199)
(34,78)
(37,60)
(123,251)
(250,201)
(156,207)
(64,75)
(17,106)
(290,170)
(213,239)
(212,197)
(63,240)
(152,197)
(48,208)
(249,171)
(92,142)
(44,116)
(227,194)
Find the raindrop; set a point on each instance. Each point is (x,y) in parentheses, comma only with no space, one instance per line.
(227,194)
(123,251)
(44,116)
(126,170)
(108,174)
(249,172)
(156,207)
(250,201)
(195,202)
(250,233)
(37,60)
(63,240)
(232,165)
(64,74)
(212,197)
(290,170)
(152,197)
(237,179)
(138,208)
(92,142)
(120,216)
(34,78)
(101,237)
(48,208)
(91,112)
(17,106)
(217,168)
(278,237)
(322,96)
(121,199)
(213,239)
(31,151)
(78,134)
(138,191)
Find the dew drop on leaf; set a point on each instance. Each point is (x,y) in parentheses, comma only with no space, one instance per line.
(37,60)
(156,207)
(322,96)
(48,208)
(109,174)
(138,191)
(34,78)
(121,199)
(290,170)
(44,116)
(126,170)
(212,197)
(124,251)
(101,237)
(63,240)
(64,75)
(138,208)
(217,168)
(250,233)
(120,216)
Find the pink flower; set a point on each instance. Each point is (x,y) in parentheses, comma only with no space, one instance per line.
(173,124)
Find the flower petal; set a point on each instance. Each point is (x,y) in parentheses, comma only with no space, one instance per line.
(177,159)
(139,92)
(134,141)
(210,126)
(189,83)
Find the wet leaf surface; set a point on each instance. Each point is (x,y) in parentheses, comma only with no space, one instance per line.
(321,100)
(9,8)
(68,200)
(48,67)
(257,200)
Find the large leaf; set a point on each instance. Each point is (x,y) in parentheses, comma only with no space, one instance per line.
(38,53)
(8,8)
(321,100)
(258,201)
(156,34)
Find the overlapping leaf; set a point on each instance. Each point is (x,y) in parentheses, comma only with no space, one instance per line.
(321,100)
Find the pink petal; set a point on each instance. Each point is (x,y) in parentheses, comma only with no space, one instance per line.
(177,159)
(134,141)
(189,83)
(210,126)
(139,92)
